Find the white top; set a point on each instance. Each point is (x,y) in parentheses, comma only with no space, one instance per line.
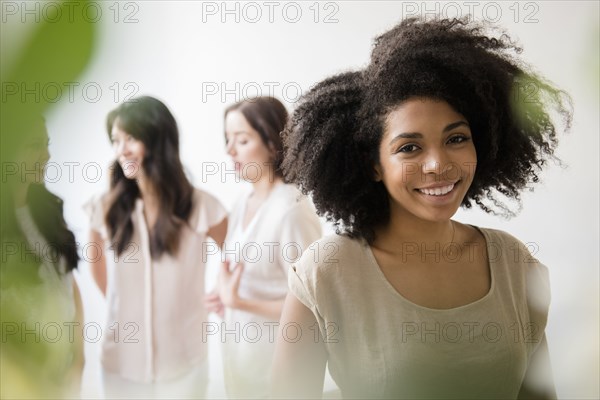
(155,307)
(283,226)
(381,345)
(47,308)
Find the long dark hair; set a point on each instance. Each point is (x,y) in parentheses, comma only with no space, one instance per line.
(267,116)
(150,121)
(46,211)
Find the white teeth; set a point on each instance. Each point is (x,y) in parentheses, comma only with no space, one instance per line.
(439,191)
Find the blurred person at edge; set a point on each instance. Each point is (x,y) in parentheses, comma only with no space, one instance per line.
(155,223)
(269,227)
(40,307)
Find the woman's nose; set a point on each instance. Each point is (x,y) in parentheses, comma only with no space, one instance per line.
(120,148)
(431,166)
(435,163)
(230,149)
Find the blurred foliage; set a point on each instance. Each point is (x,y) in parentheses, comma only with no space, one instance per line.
(57,51)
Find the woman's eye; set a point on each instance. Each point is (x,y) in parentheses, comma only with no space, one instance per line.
(458,139)
(409,148)
(243,141)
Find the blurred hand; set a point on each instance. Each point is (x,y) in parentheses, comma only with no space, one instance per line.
(213,303)
(229,283)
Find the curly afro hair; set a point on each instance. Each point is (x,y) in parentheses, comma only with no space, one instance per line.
(332,140)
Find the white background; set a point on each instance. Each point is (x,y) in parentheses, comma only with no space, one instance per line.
(177,50)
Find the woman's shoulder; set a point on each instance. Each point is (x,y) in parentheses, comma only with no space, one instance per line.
(97,199)
(496,235)
(41,193)
(527,276)
(329,265)
(504,245)
(342,242)
(333,252)
(288,201)
(202,197)
(517,260)
(287,193)
(207,210)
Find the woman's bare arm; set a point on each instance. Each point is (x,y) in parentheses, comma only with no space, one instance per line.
(298,366)
(98,265)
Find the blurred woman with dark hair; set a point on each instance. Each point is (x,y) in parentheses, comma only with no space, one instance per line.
(39,297)
(155,221)
(270,226)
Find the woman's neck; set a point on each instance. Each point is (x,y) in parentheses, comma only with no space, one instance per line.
(148,192)
(263,186)
(20,194)
(145,186)
(408,228)
(151,201)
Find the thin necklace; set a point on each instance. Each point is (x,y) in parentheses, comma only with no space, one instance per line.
(453,231)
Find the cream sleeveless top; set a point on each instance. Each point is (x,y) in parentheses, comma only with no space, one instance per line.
(381,345)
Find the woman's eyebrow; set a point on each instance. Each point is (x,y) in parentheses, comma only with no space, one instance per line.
(455,125)
(406,135)
(236,133)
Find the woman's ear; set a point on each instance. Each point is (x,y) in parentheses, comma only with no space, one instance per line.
(272,151)
(377,173)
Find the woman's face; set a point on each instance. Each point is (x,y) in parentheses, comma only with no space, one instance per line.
(33,155)
(251,158)
(427,159)
(128,150)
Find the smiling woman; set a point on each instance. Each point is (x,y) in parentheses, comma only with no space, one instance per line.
(423,306)
(153,222)
(427,159)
